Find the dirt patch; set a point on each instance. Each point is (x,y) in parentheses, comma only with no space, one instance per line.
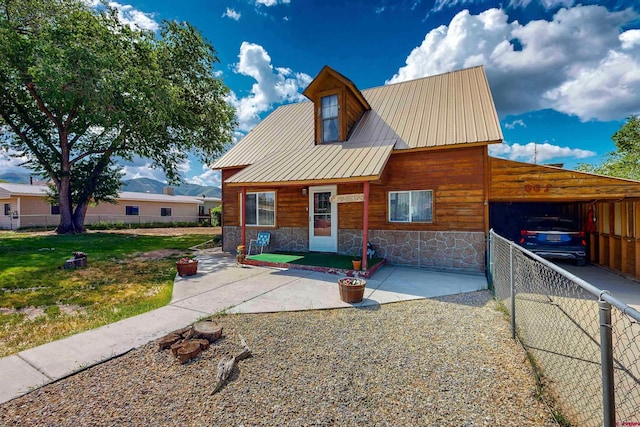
(158,254)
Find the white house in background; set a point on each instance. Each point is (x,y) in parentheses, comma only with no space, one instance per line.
(26,205)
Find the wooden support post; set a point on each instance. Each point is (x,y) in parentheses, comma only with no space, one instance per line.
(612,232)
(243,216)
(636,236)
(365,227)
(624,235)
(601,231)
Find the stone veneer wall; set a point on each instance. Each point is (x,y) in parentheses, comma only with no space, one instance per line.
(282,239)
(440,250)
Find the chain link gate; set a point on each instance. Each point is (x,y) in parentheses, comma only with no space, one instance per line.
(584,343)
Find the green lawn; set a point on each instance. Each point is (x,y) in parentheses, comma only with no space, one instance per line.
(41,302)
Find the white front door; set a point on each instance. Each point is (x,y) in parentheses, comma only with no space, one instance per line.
(323,219)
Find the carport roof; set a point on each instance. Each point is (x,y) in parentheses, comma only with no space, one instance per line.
(512,181)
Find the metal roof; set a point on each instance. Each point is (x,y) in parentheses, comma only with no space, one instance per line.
(449,109)
(40,190)
(324,162)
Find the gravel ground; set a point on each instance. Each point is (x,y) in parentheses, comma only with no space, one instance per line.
(448,361)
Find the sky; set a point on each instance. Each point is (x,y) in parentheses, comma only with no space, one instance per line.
(564,75)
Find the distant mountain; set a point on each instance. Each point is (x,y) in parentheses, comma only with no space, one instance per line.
(148,185)
(139,185)
(15,178)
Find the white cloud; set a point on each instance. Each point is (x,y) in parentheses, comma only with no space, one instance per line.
(142,168)
(547,4)
(578,63)
(537,153)
(208,177)
(10,162)
(269,3)
(230,13)
(273,85)
(135,18)
(515,123)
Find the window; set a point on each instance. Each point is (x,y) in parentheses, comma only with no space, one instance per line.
(132,210)
(260,208)
(7,208)
(330,118)
(55,209)
(411,206)
(165,211)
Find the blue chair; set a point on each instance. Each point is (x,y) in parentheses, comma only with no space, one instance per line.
(264,237)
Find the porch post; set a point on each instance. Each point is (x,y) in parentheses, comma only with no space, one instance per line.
(243,216)
(365,226)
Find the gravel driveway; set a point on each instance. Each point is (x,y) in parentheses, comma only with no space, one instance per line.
(446,361)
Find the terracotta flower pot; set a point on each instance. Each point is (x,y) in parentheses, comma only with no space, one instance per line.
(351,289)
(187,268)
(356,264)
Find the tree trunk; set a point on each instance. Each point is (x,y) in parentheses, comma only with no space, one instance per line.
(66,211)
(79,216)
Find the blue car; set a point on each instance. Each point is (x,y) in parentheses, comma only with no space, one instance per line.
(555,238)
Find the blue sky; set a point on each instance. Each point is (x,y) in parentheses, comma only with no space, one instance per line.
(564,75)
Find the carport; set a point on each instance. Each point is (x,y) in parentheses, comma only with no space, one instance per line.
(607,208)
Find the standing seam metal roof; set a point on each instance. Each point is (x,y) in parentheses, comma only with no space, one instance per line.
(449,109)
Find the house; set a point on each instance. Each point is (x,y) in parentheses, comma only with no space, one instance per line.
(26,206)
(404,167)
(401,166)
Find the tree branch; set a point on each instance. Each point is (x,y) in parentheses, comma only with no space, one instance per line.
(42,106)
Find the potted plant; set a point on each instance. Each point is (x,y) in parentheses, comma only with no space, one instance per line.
(357,263)
(187,266)
(241,254)
(351,289)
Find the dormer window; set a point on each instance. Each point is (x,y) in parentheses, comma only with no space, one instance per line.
(338,105)
(330,118)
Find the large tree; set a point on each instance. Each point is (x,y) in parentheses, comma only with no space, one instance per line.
(624,162)
(80,91)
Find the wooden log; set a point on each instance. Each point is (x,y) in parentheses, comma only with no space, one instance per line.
(168,340)
(227,363)
(204,344)
(183,331)
(175,347)
(188,350)
(207,330)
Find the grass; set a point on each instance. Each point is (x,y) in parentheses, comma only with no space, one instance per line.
(41,302)
(312,258)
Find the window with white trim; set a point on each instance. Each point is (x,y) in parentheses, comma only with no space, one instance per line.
(55,209)
(411,206)
(165,211)
(330,118)
(260,208)
(7,208)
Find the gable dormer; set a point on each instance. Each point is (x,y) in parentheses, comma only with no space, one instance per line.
(338,105)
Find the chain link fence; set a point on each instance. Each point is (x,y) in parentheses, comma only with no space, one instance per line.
(583,343)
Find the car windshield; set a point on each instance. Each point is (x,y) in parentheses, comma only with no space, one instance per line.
(551,224)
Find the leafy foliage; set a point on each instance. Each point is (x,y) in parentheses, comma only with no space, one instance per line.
(80,90)
(624,162)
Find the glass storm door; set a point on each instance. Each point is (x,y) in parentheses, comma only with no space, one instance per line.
(323,219)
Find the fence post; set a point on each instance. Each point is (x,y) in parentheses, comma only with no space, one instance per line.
(606,356)
(513,293)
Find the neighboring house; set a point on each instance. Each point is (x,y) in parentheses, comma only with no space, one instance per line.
(404,167)
(26,206)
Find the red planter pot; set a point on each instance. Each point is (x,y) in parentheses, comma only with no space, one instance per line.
(187,268)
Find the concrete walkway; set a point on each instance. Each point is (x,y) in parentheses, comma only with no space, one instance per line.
(220,285)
